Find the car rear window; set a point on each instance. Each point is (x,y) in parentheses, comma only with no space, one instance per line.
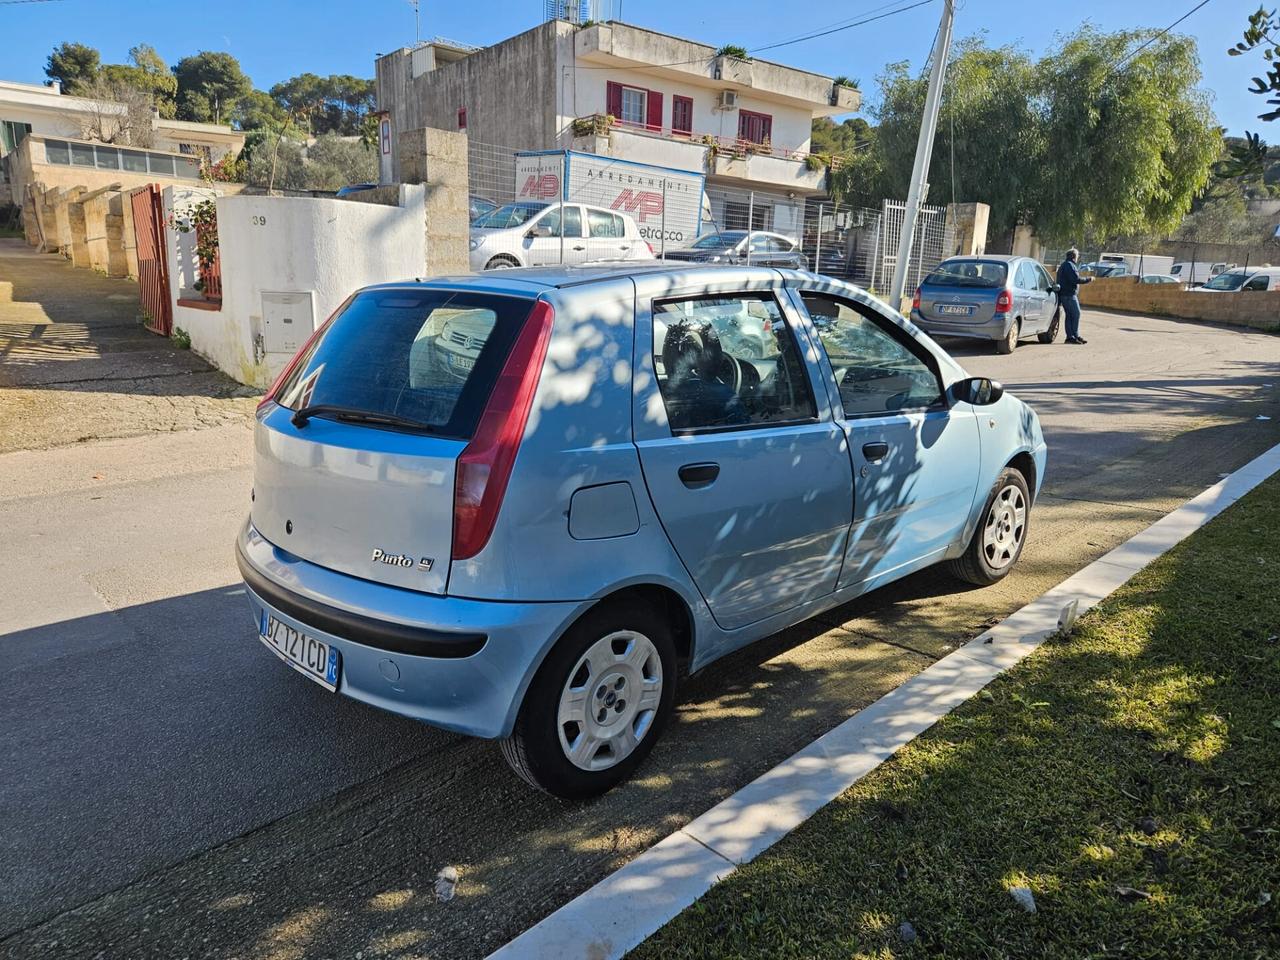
(426,356)
(969,273)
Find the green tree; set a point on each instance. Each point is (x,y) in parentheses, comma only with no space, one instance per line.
(210,87)
(839,139)
(257,110)
(1262,34)
(337,103)
(72,65)
(1129,138)
(334,162)
(1095,140)
(146,71)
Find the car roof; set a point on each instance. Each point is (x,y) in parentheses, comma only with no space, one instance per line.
(529,281)
(992,257)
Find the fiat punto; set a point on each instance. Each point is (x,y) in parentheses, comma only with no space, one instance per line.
(624,473)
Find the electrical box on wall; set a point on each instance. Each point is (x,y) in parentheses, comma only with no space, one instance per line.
(287,320)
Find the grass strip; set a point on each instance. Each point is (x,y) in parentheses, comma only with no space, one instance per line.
(1128,775)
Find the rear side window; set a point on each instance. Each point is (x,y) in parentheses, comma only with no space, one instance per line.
(427,356)
(605,224)
(726,362)
(969,273)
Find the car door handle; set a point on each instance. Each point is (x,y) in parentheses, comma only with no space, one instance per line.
(695,476)
(579,248)
(625,246)
(875,452)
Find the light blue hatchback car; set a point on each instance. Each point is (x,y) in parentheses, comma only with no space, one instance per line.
(522,505)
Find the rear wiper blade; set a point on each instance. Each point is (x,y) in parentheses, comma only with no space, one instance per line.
(354,415)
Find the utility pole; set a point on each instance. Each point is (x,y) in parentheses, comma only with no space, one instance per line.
(924,149)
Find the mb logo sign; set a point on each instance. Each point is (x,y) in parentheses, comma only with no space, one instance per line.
(543,187)
(642,203)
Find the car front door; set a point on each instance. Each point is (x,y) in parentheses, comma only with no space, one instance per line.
(916,459)
(543,243)
(1029,294)
(746,468)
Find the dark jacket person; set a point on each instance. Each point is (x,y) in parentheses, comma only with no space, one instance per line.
(1069,281)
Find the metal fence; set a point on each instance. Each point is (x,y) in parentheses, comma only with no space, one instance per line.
(615,209)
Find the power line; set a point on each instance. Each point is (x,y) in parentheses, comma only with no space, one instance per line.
(772,46)
(1129,56)
(849,26)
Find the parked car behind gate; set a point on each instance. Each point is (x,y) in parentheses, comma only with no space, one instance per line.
(621,485)
(996,298)
(527,234)
(1244,280)
(759,248)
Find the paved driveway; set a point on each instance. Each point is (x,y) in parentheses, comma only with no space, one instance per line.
(168,789)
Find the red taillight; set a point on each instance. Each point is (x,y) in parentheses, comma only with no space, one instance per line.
(484,467)
(297,357)
(1004,301)
(915,301)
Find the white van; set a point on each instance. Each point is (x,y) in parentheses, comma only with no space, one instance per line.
(1194,273)
(1243,280)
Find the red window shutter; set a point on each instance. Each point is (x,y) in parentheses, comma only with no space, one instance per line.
(654,105)
(681,114)
(462,118)
(754,127)
(613,100)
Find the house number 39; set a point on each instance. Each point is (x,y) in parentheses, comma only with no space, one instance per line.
(259,221)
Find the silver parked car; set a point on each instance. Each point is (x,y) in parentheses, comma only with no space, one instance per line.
(522,505)
(527,233)
(997,298)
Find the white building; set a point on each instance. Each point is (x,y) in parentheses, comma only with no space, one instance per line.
(46,111)
(622,91)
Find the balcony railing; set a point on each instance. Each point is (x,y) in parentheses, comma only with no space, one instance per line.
(598,124)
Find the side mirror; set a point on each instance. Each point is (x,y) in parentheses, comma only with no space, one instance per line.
(537,232)
(978,391)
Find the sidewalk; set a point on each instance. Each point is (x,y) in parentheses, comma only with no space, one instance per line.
(76,363)
(1125,777)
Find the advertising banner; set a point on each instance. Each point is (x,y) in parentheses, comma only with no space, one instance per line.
(666,204)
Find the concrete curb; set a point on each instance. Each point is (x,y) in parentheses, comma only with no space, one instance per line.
(619,912)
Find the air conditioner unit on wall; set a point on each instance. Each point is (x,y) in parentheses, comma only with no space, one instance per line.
(728,100)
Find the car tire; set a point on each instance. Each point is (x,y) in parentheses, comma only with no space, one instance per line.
(993,550)
(1055,326)
(613,651)
(501,262)
(1010,341)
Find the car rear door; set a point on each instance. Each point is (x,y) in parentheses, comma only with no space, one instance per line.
(916,459)
(747,471)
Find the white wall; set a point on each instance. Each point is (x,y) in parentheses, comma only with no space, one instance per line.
(792,126)
(326,248)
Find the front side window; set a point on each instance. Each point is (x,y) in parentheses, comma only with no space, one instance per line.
(572,221)
(1257,283)
(510,215)
(634,110)
(878,374)
(728,361)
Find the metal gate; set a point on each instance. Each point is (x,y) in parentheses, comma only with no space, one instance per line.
(153,265)
(929,245)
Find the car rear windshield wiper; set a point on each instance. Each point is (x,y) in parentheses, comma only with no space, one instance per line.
(353,415)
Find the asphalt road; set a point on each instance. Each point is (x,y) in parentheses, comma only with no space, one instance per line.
(169,789)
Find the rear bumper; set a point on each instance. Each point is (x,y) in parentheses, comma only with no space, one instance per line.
(462,665)
(996,328)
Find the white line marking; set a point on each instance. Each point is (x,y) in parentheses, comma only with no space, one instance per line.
(620,911)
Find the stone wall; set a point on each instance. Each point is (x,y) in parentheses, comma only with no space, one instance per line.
(438,159)
(1258,310)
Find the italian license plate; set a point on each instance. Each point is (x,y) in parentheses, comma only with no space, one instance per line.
(461,362)
(312,658)
(954,310)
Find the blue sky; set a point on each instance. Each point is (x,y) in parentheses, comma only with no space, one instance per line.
(276,39)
